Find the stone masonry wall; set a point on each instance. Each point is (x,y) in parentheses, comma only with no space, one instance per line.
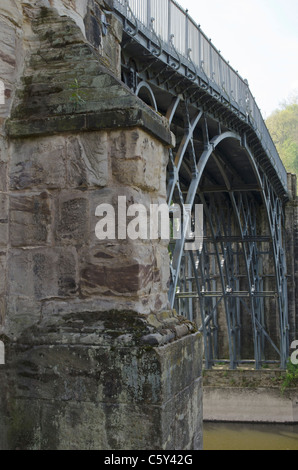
(94,357)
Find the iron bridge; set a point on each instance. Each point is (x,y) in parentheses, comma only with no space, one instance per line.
(234,286)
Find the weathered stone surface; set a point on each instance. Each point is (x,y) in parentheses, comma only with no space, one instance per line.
(72,218)
(138,160)
(3,266)
(11,51)
(3,208)
(87,161)
(64,384)
(3,219)
(110,195)
(30,219)
(75,310)
(3,154)
(38,163)
(188,406)
(59,162)
(43,273)
(33,276)
(3,177)
(103,273)
(76,95)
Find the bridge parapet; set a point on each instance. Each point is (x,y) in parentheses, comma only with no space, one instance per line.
(173,37)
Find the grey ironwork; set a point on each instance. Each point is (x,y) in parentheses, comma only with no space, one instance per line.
(225,160)
(186,43)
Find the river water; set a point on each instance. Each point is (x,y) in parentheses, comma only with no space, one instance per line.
(225,436)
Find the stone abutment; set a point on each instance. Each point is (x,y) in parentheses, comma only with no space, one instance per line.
(94,357)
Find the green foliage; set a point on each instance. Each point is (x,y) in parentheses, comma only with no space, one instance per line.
(283,127)
(291,378)
(77,94)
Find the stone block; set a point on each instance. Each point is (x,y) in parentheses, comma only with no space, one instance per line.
(121,198)
(104,426)
(3,177)
(114,272)
(3,150)
(87,160)
(178,365)
(3,234)
(30,219)
(92,374)
(2,309)
(185,407)
(107,397)
(35,275)
(38,163)
(3,265)
(3,219)
(21,313)
(3,208)
(162,268)
(72,218)
(100,303)
(43,273)
(22,421)
(138,159)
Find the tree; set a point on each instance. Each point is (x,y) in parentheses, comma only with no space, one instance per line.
(283,127)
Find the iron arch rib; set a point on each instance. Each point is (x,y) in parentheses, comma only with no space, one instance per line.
(192,191)
(231,296)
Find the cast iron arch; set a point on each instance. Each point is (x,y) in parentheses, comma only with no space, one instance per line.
(244,212)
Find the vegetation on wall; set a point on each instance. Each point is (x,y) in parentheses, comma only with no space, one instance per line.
(291,378)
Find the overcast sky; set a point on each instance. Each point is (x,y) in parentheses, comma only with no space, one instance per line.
(259,38)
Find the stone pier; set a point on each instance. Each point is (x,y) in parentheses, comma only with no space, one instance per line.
(95,359)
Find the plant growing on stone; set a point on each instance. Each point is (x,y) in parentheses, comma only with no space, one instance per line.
(291,378)
(77,94)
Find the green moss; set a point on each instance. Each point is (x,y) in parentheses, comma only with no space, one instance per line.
(23,426)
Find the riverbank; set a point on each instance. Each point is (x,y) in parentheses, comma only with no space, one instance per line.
(249,396)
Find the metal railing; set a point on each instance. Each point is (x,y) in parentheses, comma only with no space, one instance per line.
(173,25)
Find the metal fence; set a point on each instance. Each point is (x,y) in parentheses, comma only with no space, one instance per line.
(173,25)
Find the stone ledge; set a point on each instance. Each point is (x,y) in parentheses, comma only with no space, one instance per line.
(130,117)
(169,335)
(106,329)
